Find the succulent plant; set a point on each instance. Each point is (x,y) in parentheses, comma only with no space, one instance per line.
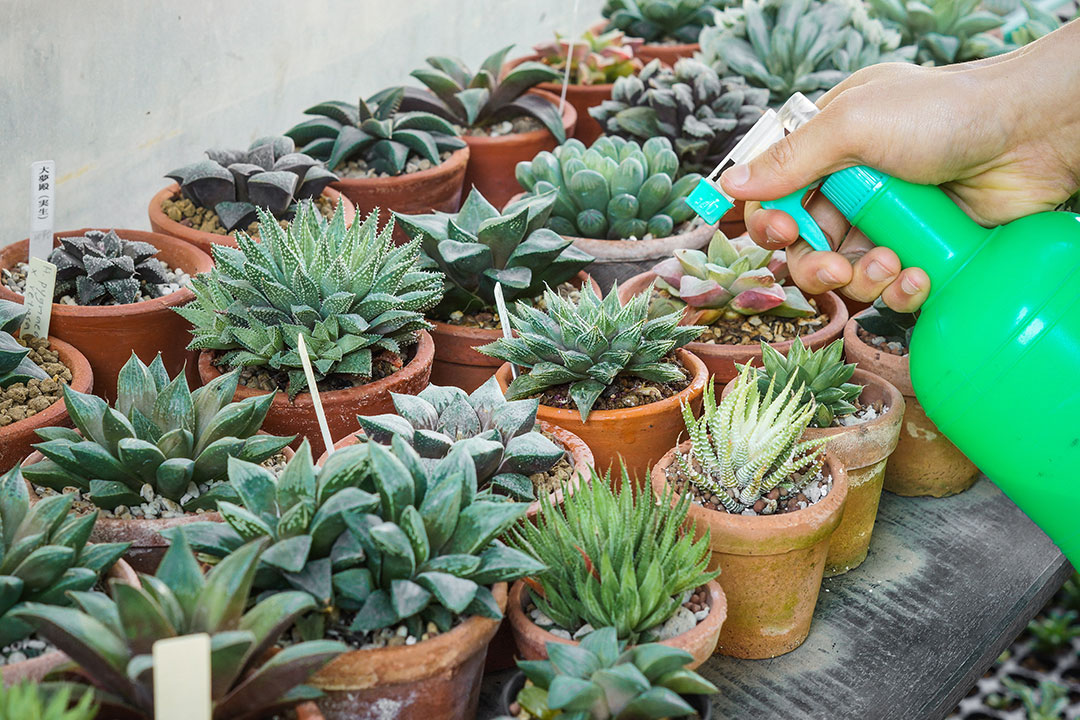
(158,433)
(732,279)
(616,189)
(499,435)
(615,557)
(101,266)
(269,175)
(749,444)
(880,319)
(476,100)
(589,344)
(1048,702)
(659,20)
(944,31)
(601,679)
(597,59)
(1039,22)
(44,553)
(477,247)
(789,46)
(111,639)
(1054,631)
(15,367)
(382,136)
(33,700)
(700,112)
(348,290)
(822,374)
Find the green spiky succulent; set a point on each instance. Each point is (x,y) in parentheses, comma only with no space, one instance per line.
(477,100)
(30,700)
(499,435)
(614,558)
(101,267)
(269,175)
(1054,631)
(602,679)
(349,291)
(44,553)
(477,247)
(789,46)
(375,131)
(15,367)
(660,20)
(112,639)
(700,112)
(749,444)
(880,319)
(944,31)
(616,189)
(822,374)
(1048,702)
(158,433)
(588,344)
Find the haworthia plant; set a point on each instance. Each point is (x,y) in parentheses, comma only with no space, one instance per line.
(101,266)
(662,20)
(15,367)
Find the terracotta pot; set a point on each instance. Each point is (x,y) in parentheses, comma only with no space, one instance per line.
(437,188)
(863,450)
(35,669)
(582,97)
(637,435)
(925,461)
(436,678)
(16,439)
(308,711)
(770,566)
(108,334)
(667,54)
(341,406)
(702,704)
(162,223)
(492,159)
(700,642)
(721,359)
(457,363)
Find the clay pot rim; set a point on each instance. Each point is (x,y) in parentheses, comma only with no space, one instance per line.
(158,240)
(678,47)
(82,379)
(894,402)
(699,372)
(531,137)
(457,161)
(425,352)
(897,365)
(556,87)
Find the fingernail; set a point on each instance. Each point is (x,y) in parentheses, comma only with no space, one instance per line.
(774,236)
(827,278)
(736,175)
(909,286)
(877,272)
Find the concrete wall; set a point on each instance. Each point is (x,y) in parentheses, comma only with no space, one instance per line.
(118,92)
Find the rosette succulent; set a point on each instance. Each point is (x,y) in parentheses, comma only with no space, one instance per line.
(375,131)
(616,189)
(660,20)
(944,31)
(100,267)
(159,433)
(15,367)
(269,175)
(33,700)
(477,100)
(478,246)
(700,112)
(733,278)
(499,435)
(588,344)
(822,374)
(597,59)
(349,291)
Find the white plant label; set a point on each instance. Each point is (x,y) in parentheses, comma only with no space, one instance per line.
(504,320)
(38,297)
(42,200)
(182,678)
(328,439)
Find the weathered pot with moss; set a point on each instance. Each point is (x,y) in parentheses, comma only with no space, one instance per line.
(925,462)
(770,566)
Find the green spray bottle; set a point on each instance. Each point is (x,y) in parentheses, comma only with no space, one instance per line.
(994,364)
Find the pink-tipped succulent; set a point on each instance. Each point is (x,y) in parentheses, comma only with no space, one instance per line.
(735,277)
(597,59)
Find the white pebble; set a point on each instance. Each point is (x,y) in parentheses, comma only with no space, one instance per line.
(560,633)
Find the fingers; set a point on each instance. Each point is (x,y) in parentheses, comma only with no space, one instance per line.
(872,273)
(908,292)
(775,229)
(817,272)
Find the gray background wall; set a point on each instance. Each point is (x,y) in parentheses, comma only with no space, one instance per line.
(119,92)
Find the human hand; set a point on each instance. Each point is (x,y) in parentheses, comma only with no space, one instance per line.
(1001,136)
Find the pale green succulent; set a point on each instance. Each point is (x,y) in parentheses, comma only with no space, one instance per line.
(34,700)
(659,20)
(944,31)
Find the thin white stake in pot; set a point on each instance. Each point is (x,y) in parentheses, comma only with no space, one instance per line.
(500,305)
(328,440)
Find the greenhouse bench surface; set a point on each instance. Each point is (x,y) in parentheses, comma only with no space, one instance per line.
(948,584)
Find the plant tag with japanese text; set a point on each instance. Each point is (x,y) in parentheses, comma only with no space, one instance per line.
(42,200)
(38,297)
(182,678)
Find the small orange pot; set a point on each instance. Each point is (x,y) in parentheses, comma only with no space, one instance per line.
(17,439)
(492,160)
(667,54)
(436,678)
(639,435)
(162,223)
(582,97)
(108,334)
(341,406)
(925,462)
(770,566)
(700,642)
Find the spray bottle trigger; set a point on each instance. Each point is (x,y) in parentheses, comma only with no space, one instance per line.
(793,205)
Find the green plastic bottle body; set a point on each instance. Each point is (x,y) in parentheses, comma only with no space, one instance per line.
(995,353)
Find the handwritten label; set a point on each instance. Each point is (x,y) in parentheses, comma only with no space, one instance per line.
(42,201)
(504,319)
(328,439)
(38,297)
(182,678)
